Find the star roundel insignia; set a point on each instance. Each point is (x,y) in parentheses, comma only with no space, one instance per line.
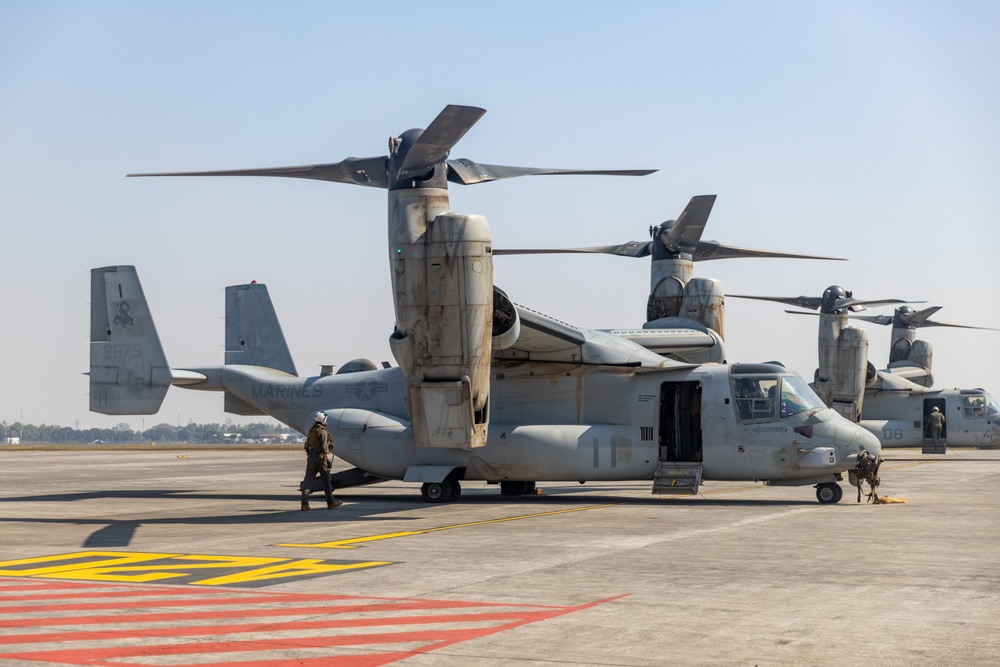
(366,389)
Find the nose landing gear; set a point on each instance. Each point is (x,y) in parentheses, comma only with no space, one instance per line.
(829,493)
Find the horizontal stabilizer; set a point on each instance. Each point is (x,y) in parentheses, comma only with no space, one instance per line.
(129,374)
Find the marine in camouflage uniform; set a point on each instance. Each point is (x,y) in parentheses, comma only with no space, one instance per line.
(319,458)
(936,421)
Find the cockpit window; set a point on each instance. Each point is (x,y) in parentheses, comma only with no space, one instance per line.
(980,405)
(797,396)
(756,398)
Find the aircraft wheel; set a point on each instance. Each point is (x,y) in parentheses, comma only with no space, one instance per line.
(516,488)
(456,489)
(829,493)
(434,492)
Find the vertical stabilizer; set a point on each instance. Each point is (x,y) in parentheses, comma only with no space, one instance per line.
(253,338)
(129,374)
(253,334)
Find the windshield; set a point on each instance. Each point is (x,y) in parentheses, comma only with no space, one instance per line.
(980,405)
(797,396)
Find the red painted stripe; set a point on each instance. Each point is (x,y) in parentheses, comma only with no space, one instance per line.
(17,585)
(360,660)
(249,613)
(435,639)
(194,631)
(432,639)
(502,616)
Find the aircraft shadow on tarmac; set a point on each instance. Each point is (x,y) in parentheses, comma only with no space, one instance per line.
(361,507)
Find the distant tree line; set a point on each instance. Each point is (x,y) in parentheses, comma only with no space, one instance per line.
(161,433)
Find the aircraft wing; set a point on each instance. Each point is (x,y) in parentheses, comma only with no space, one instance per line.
(908,371)
(888,380)
(666,341)
(546,339)
(630,249)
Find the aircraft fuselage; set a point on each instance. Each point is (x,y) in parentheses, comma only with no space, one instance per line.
(898,419)
(559,422)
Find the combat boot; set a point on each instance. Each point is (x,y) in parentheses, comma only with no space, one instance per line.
(305,505)
(335,504)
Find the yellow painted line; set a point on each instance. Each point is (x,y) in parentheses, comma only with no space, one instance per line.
(355,541)
(907,465)
(137,567)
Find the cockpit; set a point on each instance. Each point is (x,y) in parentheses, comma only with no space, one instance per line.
(766,392)
(979,405)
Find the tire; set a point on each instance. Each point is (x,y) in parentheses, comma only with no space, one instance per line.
(456,488)
(433,492)
(516,488)
(829,493)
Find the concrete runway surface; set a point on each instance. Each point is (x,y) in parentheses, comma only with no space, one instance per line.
(158,556)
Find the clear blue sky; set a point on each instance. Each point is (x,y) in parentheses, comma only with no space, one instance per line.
(865,130)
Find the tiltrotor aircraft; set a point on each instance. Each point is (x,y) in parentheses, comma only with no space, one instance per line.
(485,389)
(892,403)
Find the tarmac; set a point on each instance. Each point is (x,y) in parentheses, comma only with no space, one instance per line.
(159,556)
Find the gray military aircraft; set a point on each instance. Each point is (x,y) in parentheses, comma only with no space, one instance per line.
(892,403)
(486,389)
(442,271)
(569,404)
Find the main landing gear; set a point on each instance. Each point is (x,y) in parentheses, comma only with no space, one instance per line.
(517,488)
(447,491)
(829,493)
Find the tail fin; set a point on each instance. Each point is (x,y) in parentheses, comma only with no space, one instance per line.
(129,374)
(253,337)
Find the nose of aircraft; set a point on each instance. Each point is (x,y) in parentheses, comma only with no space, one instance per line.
(862,439)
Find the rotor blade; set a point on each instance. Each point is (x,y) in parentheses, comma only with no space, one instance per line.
(630,249)
(921,318)
(811,302)
(916,319)
(706,250)
(801,312)
(369,171)
(438,139)
(932,323)
(860,304)
(877,319)
(686,232)
(466,172)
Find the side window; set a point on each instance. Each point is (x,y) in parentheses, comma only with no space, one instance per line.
(974,406)
(756,398)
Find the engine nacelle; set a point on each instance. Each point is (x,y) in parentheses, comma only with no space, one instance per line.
(667,279)
(443,293)
(922,354)
(506,321)
(843,365)
(704,302)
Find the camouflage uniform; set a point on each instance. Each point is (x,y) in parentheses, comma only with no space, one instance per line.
(936,421)
(319,453)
